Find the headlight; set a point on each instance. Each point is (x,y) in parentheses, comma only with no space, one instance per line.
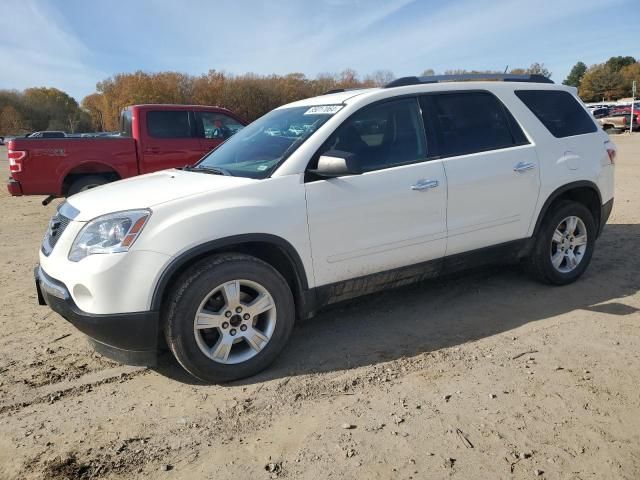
(111,233)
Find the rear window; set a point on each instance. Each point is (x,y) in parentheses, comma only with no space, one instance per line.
(125,123)
(559,111)
(470,122)
(169,124)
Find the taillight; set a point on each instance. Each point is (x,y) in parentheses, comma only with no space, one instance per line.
(611,151)
(15,160)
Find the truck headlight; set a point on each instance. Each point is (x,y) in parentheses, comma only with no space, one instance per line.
(110,233)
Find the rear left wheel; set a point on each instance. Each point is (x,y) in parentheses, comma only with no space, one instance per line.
(564,244)
(229,317)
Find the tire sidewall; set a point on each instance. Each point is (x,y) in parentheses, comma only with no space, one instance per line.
(544,242)
(193,290)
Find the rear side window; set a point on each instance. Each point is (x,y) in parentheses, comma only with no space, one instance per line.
(559,111)
(169,124)
(125,123)
(470,122)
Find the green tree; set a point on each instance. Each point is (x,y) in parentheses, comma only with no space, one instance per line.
(618,63)
(575,75)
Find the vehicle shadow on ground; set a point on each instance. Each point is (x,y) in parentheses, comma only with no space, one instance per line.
(450,311)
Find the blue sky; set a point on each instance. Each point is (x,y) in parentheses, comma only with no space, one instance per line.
(73,44)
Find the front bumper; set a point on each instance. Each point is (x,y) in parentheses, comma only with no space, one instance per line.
(14,187)
(130,338)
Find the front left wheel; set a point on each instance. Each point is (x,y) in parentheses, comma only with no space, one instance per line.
(228,317)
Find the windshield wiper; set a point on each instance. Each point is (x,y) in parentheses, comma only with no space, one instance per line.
(210,170)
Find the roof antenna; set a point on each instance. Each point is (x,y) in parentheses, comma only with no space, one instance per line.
(506,68)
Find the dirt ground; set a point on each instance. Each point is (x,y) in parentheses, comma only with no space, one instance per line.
(485,375)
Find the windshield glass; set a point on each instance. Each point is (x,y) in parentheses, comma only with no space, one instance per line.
(258,149)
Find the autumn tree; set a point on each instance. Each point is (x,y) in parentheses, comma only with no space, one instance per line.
(629,74)
(12,122)
(575,75)
(600,82)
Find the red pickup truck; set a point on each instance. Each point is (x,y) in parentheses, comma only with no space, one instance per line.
(153,137)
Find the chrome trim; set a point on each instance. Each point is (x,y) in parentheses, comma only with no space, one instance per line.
(67,210)
(425,184)
(51,288)
(523,166)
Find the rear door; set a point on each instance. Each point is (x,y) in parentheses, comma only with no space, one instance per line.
(169,141)
(491,168)
(213,128)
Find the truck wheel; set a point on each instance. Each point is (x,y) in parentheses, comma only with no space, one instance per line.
(228,317)
(85,183)
(564,244)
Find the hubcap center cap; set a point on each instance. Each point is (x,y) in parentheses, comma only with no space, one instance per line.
(235,320)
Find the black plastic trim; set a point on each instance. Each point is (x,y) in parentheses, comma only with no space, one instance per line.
(356,287)
(135,334)
(604,215)
(235,240)
(503,77)
(556,193)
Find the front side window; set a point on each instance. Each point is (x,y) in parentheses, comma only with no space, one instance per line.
(219,126)
(169,124)
(382,135)
(470,122)
(258,149)
(559,111)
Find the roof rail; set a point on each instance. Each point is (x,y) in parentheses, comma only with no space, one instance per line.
(340,90)
(502,77)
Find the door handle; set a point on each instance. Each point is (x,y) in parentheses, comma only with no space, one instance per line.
(523,167)
(425,184)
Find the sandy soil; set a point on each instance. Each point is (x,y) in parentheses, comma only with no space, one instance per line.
(486,375)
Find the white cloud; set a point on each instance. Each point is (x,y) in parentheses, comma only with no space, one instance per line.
(37,50)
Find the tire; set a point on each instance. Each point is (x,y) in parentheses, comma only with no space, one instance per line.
(86,183)
(540,263)
(201,351)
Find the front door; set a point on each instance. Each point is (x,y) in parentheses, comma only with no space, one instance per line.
(392,215)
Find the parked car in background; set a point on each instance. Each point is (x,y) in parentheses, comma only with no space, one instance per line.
(620,121)
(152,137)
(600,112)
(384,187)
(48,134)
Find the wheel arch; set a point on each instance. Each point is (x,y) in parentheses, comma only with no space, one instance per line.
(274,250)
(584,192)
(86,169)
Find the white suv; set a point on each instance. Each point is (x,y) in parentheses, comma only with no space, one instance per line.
(323,200)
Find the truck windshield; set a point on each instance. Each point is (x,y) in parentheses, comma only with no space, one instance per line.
(258,149)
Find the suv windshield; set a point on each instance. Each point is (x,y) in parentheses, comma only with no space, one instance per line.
(258,149)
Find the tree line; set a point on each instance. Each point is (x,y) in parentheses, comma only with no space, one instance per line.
(610,80)
(250,95)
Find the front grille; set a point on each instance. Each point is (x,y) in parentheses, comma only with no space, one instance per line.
(57,226)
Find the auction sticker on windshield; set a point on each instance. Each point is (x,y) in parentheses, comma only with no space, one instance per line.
(323,110)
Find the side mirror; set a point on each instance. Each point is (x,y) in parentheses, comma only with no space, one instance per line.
(336,163)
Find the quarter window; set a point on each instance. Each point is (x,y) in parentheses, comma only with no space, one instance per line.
(559,111)
(470,122)
(383,135)
(169,124)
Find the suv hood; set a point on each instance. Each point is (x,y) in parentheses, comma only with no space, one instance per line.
(145,191)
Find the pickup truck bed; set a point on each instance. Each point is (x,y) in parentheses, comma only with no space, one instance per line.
(154,137)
